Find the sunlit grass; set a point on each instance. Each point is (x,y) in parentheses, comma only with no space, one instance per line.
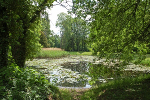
(51,54)
(58,53)
(80,53)
(146,61)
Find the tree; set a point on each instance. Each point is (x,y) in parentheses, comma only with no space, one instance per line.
(64,21)
(46,32)
(57,41)
(23,16)
(74,32)
(81,31)
(117,26)
(47,38)
(4,35)
(43,40)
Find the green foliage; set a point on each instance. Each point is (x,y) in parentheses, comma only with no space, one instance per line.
(47,38)
(20,27)
(26,84)
(24,28)
(117,27)
(54,40)
(57,41)
(146,61)
(74,32)
(43,41)
(45,31)
(32,40)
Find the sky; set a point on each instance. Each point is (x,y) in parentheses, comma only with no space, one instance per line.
(56,9)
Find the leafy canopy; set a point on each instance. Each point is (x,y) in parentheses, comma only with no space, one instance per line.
(119,28)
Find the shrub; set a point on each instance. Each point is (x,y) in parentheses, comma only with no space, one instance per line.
(25,84)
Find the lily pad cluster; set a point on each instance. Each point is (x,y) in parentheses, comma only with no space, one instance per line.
(58,74)
(74,71)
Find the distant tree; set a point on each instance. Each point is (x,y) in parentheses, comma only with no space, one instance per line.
(65,23)
(57,41)
(74,32)
(43,40)
(46,32)
(81,31)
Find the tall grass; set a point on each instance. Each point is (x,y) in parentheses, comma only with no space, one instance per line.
(58,53)
(51,54)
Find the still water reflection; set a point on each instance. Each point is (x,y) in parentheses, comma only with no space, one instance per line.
(80,66)
(77,75)
(78,71)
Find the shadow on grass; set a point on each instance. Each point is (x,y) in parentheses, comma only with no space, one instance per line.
(72,94)
(126,89)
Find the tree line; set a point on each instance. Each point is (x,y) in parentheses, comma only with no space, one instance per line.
(47,37)
(74,32)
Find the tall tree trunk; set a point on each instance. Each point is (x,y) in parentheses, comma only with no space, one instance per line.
(4,46)
(4,39)
(19,52)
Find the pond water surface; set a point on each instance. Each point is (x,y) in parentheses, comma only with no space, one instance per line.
(77,71)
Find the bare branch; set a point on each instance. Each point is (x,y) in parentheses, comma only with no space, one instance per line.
(66,2)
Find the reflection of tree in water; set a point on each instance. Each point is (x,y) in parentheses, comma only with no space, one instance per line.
(80,67)
(102,71)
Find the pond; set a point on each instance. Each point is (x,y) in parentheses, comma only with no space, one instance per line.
(79,71)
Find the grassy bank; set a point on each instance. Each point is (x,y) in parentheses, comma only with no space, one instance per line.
(58,53)
(51,54)
(125,89)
